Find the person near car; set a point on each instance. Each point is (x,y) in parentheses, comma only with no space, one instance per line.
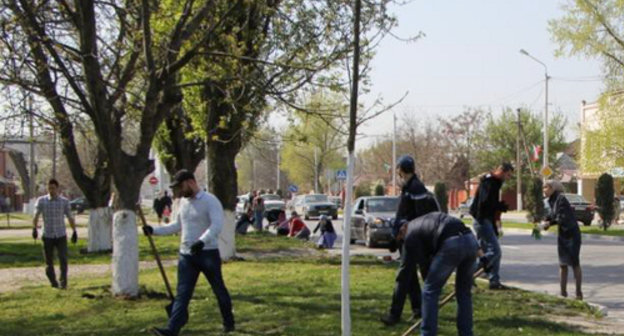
(200,219)
(484,209)
(415,201)
(569,235)
(297,228)
(258,210)
(54,208)
(244,221)
(328,234)
(440,244)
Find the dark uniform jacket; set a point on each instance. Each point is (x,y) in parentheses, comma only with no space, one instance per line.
(486,204)
(426,234)
(415,201)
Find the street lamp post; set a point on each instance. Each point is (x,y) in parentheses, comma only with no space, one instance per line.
(524,52)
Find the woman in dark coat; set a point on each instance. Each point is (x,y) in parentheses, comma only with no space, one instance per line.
(569,237)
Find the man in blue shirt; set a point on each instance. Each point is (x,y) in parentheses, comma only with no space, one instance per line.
(200,219)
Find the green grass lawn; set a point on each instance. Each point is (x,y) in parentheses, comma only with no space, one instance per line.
(292,296)
(24,252)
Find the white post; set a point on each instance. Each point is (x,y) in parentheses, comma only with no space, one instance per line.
(393,155)
(346,244)
(315,172)
(278,169)
(546,120)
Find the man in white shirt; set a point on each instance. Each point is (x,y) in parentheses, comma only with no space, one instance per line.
(200,219)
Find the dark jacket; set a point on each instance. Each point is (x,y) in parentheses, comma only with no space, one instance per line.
(562,214)
(415,201)
(426,234)
(327,227)
(486,204)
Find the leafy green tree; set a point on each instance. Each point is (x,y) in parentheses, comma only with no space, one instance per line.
(497,142)
(312,144)
(441,196)
(362,189)
(605,193)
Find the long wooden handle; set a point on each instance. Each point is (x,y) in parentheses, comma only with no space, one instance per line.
(156,255)
(444,301)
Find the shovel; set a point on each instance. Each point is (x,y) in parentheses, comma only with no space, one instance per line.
(444,301)
(169,307)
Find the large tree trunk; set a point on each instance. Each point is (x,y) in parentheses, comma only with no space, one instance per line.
(125,254)
(22,169)
(100,230)
(223,184)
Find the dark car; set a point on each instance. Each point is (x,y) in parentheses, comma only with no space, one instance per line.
(583,210)
(372,219)
(79,204)
(315,205)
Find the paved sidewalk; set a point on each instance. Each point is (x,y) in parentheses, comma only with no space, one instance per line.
(533,265)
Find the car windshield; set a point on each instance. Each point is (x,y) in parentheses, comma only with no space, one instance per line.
(573,198)
(315,198)
(382,204)
(271,197)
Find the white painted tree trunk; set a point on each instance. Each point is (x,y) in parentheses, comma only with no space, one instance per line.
(125,254)
(100,230)
(346,245)
(227,242)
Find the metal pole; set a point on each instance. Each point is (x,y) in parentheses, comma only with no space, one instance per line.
(518,168)
(394,185)
(315,172)
(278,169)
(546,119)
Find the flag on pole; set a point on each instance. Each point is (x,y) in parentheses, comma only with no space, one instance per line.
(535,155)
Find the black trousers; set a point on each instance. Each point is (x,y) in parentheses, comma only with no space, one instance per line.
(406,284)
(60,245)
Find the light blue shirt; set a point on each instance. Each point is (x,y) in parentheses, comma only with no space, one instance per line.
(200,218)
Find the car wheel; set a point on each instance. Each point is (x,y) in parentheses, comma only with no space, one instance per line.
(587,223)
(368,240)
(306,217)
(352,241)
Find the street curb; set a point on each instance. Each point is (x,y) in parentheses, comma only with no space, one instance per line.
(583,235)
(600,310)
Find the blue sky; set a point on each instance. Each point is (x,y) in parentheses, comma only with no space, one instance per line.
(470,57)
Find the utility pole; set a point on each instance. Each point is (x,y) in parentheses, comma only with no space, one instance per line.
(394,185)
(315,172)
(518,167)
(278,169)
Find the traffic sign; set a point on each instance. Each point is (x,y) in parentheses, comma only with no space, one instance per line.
(546,171)
(293,188)
(153,180)
(341,175)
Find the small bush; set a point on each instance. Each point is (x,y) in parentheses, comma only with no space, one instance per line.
(604,199)
(380,190)
(535,201)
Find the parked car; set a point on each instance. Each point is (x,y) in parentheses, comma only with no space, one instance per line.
(336,200)
(242,201)
(79,204)
(372,219)
(464,208)
(272,202)
(314,205)
(583,210)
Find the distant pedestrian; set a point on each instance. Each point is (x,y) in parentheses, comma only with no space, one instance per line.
(415,201)
(166,204)
(484,209)
(328,234)
(569,236)
(441,244)
(158,208)
(258,209)
(297,228)
(244,221)
(200,219)
(54,208)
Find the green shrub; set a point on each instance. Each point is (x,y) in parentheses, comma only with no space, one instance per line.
(535,201)
(604,199)
(380,190)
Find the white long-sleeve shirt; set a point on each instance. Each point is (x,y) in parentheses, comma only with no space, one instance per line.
(200,218)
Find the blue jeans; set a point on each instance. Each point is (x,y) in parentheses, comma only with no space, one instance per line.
(457,252)
(490,246)
(189,267)
(259,217)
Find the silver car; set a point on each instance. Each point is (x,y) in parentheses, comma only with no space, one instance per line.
(372,219)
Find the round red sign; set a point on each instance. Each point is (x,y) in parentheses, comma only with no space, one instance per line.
(153,180)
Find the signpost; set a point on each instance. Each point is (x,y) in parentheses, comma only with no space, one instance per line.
(293,188)
(153,180)
(546,171)
(341,175)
